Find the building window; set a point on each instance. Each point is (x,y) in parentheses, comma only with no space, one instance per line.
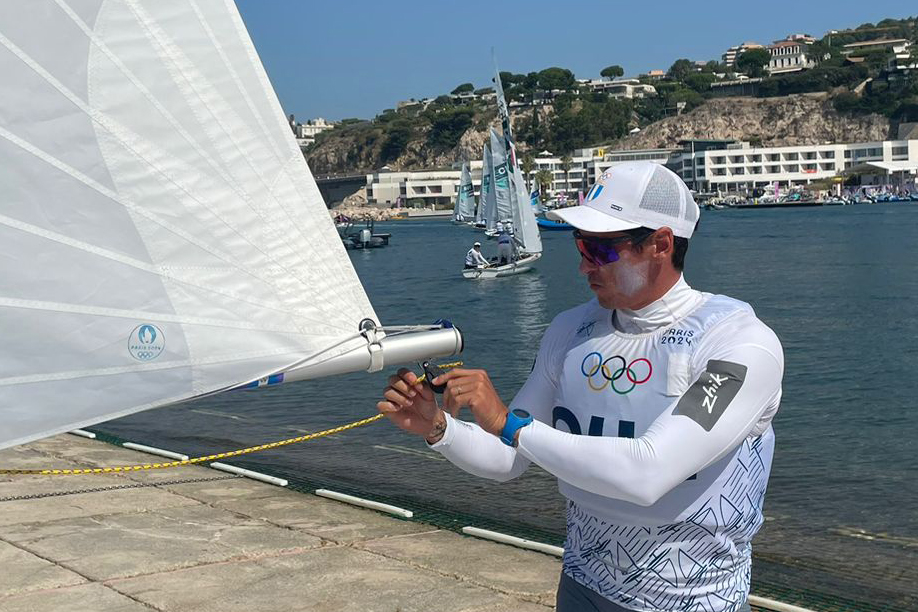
(718,160)
(847,154)
(791,156)
(828,154)
(774,157)
(900,150)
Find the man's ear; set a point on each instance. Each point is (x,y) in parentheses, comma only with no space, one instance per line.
(663,242)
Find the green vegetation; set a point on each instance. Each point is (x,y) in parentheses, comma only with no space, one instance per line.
(554,112)
(753,61)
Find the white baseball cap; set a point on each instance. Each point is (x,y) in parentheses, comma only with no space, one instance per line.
(477,244)
(631,195)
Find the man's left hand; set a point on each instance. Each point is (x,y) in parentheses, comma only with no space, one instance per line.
(473,389)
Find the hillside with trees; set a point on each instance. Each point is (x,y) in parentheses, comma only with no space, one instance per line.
(858,97)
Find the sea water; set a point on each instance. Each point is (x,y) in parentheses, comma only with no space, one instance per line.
(839,286)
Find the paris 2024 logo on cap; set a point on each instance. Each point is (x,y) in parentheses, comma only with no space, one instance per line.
(147,341)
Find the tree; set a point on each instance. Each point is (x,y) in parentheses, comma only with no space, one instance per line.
(464,88)
(680,69)
(752,62)
(527,163)
(611,72)
(566,161)
(700,81)
(544,179)
(556,78)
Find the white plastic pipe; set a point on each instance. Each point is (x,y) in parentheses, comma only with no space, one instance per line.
(513,541)
(365,503)
(776,606)
(232,469)
(152,450)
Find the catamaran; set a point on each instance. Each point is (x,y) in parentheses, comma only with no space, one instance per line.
(163,238)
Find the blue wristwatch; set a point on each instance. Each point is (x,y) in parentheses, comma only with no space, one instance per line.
(516,419)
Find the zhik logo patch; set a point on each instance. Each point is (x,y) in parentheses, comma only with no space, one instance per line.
(707,399)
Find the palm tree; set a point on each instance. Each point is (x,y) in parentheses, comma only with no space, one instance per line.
(526,165)
(544,180)
(566,162)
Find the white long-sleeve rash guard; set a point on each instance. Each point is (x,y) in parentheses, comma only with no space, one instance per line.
(640,368)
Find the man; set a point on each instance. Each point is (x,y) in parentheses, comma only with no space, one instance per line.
(652,404)
(505,246)
(474,258)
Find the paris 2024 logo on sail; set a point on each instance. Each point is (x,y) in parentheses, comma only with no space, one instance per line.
(147,341)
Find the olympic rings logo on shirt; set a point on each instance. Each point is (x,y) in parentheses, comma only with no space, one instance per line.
(594,364)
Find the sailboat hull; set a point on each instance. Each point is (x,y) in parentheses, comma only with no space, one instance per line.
(517,267)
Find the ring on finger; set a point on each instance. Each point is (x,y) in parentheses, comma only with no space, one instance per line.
(458,390)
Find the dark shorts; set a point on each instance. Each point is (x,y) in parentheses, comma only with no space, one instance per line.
(574,597)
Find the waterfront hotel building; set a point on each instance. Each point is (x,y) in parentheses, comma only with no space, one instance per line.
(706,166)
(724,166)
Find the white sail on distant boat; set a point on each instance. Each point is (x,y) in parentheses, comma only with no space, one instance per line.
(501,179)
(514,194)
(489,216)
(464,209)
(162,235)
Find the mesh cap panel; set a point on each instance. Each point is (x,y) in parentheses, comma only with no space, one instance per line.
(662,195)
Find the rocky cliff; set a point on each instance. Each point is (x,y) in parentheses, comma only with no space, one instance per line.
(786,121)
(791,120)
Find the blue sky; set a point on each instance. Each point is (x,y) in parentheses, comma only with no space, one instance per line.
(354,59)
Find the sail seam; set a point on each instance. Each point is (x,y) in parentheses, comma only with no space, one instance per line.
(9,302)
(125,137)
(194,88)
(139,265)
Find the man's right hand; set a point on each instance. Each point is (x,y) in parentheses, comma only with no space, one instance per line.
(412,407)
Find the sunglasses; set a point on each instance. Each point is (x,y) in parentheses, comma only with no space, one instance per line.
(602,251)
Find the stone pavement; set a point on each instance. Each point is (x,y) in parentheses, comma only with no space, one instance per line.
(229,544)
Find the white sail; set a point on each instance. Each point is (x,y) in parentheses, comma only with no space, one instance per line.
(490,215)
(480,217)
(465,197)
(162,235)
(501,178)
(526,229)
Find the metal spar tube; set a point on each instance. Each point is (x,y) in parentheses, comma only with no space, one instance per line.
(396,350)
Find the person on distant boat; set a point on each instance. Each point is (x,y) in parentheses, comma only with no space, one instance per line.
(504,246)
(474,258)
(652,404)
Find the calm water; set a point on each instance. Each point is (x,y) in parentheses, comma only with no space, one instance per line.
(838,285)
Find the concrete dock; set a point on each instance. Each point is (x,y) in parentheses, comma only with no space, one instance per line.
(193,538)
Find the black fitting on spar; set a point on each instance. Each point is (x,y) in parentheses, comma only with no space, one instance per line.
(432,371)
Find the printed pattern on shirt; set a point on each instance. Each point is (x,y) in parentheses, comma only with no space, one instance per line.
(701,564)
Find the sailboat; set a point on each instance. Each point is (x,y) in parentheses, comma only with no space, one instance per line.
(481,213)
(163,238)
(513,201)
(464,209)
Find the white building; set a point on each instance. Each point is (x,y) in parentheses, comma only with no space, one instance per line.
(732,53)
(620,88)
(305,133)
(738,167)
(790,55)
(428,188)
(425,188)
(895,45)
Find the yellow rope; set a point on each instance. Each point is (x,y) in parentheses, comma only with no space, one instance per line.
(207,458)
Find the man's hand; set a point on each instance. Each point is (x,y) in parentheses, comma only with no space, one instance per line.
(412,407)
(473,389)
